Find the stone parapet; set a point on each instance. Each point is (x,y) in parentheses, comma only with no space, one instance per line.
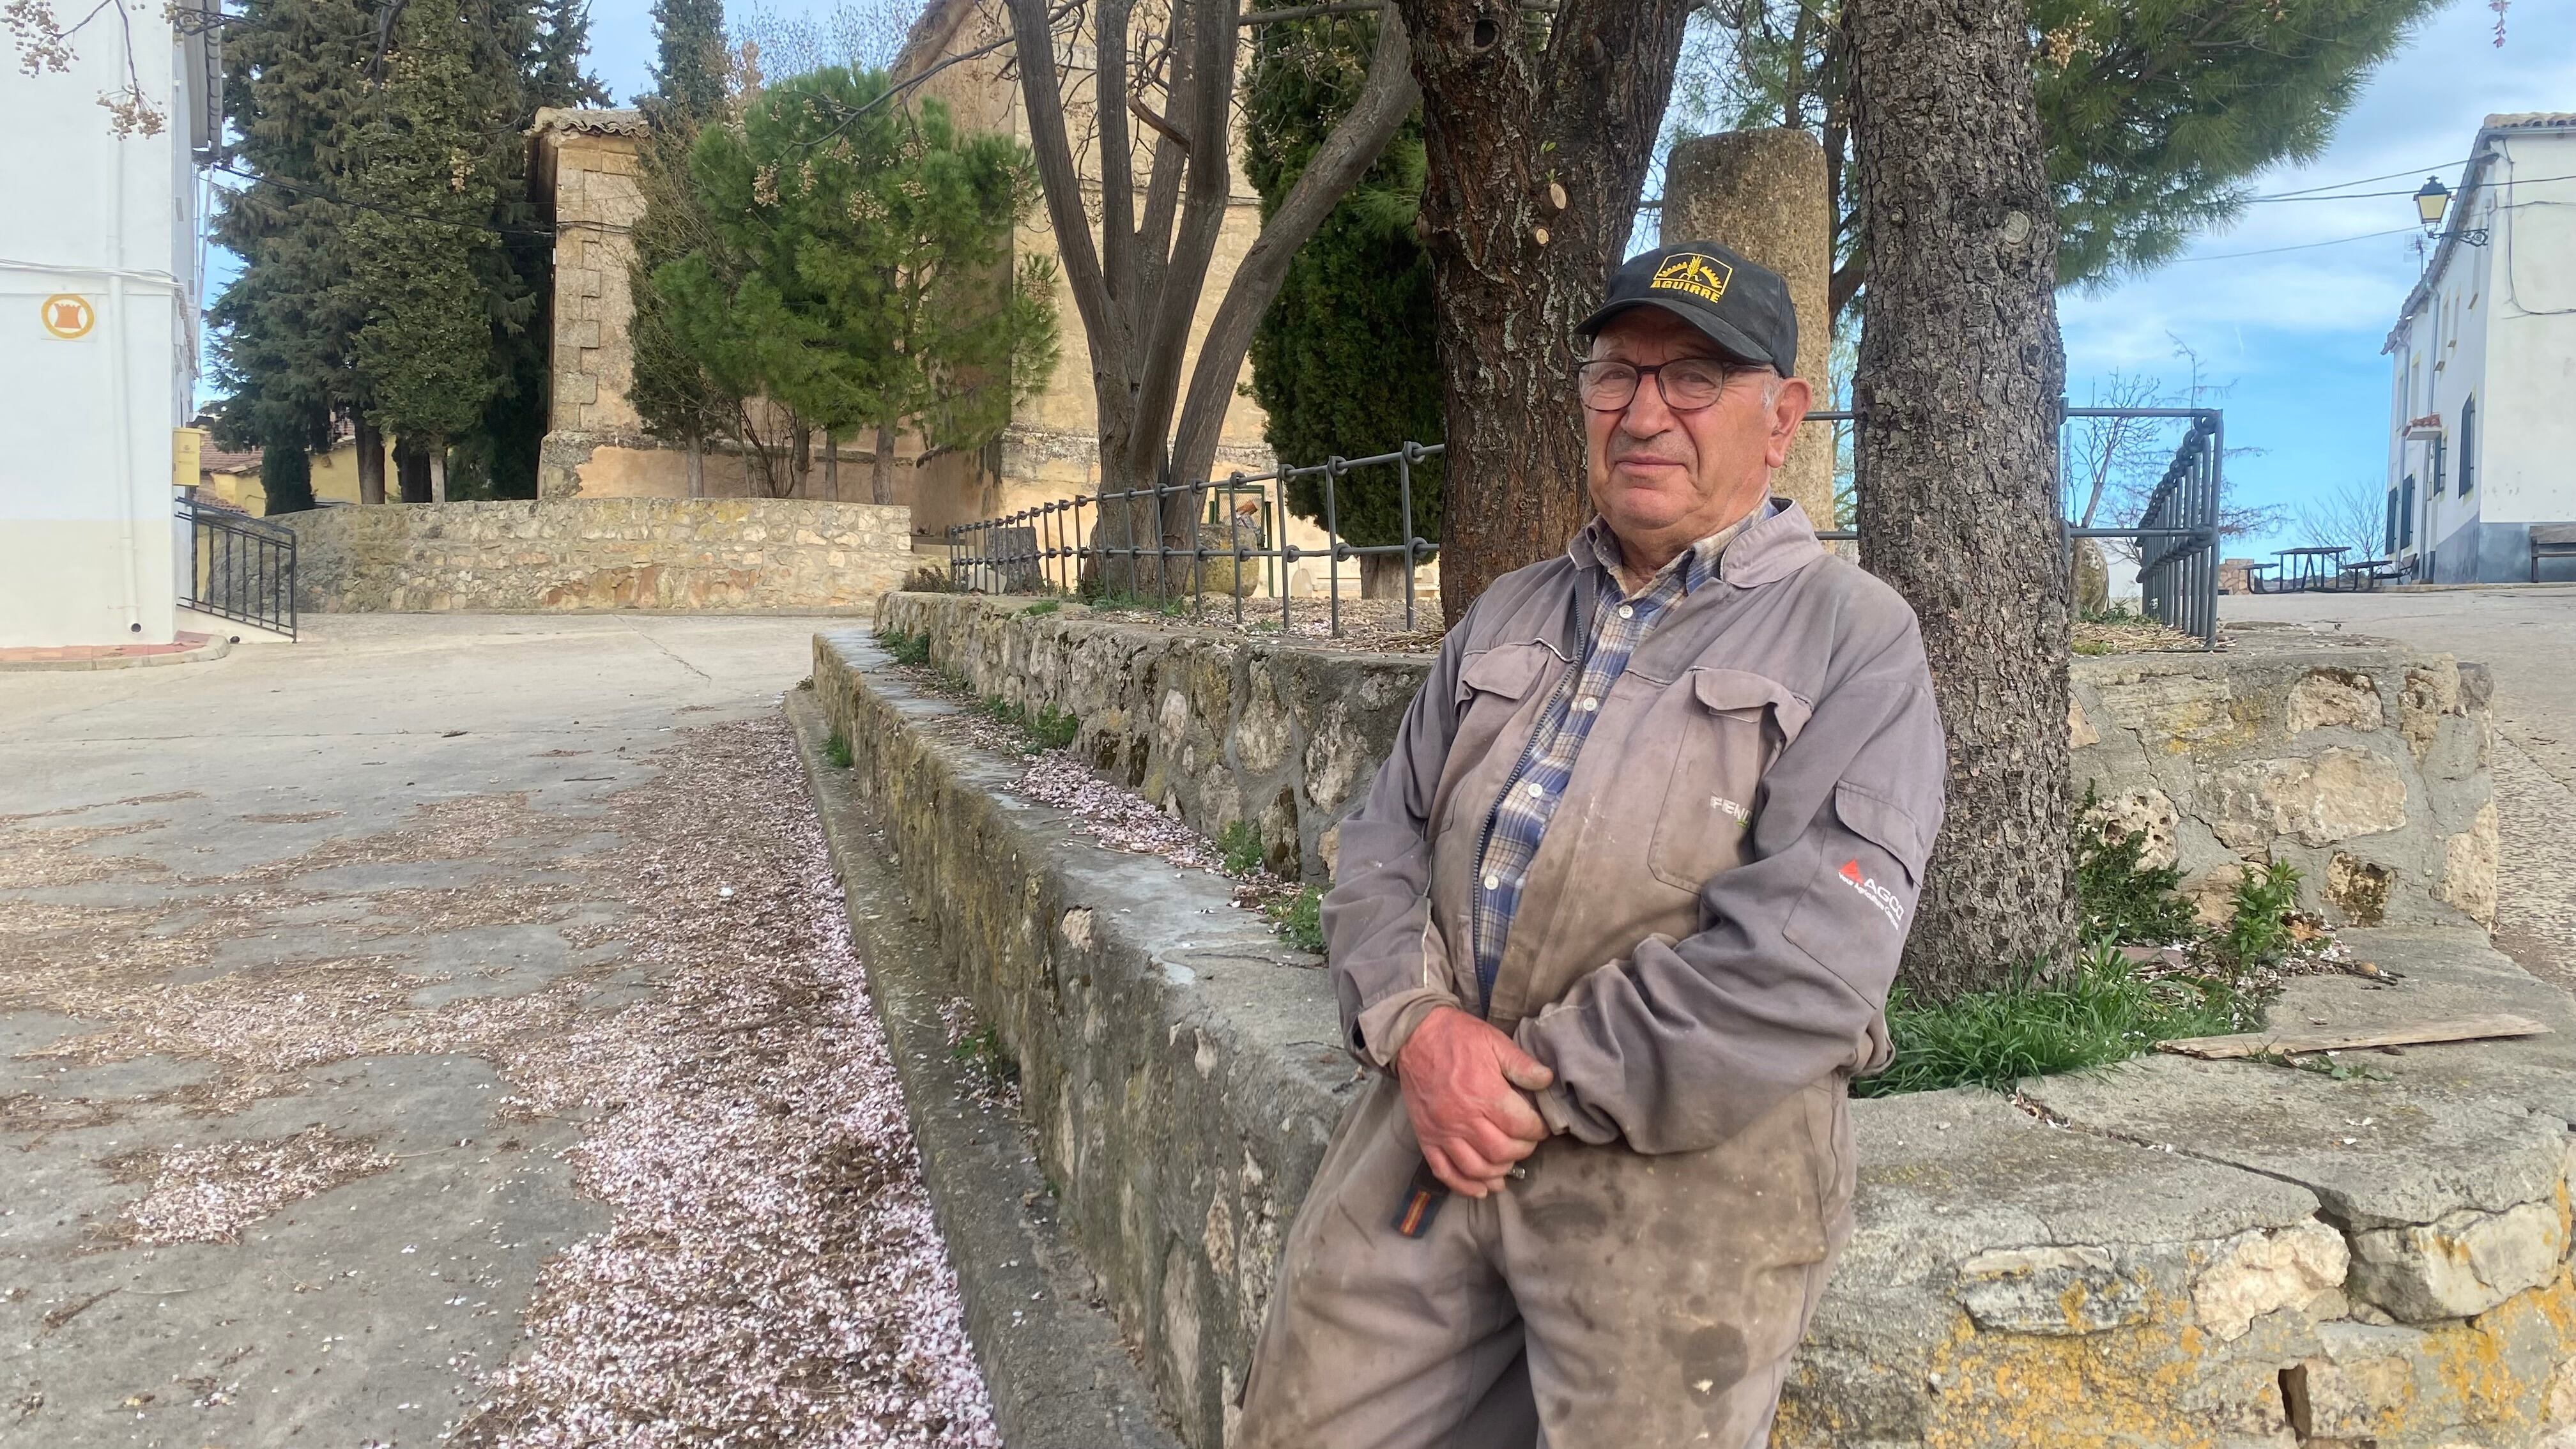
(707,555)
(2177,1253)
(2357,760)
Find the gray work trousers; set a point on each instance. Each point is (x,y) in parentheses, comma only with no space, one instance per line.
(1609,1298)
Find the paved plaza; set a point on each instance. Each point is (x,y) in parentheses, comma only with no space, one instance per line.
(447,1025)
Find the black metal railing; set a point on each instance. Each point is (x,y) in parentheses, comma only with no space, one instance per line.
(1045,549)
(1049,548)
(238,567)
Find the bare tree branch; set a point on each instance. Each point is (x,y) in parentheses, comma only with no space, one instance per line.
(1200,111)
(1386,97)
(1166,129)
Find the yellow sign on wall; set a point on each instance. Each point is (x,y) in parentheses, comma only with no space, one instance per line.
(67,315)
(187,452)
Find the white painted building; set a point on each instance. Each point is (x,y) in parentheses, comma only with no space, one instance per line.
(2482,396)
(98,324)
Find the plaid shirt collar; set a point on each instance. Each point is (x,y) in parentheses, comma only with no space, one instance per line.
(1595,546)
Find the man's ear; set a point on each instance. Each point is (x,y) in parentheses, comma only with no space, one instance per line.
(1786,412)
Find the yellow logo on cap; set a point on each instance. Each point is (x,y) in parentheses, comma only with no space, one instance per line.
(1701,276)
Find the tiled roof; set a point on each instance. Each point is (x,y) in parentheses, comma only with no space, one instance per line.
(622,121)
(2533,121)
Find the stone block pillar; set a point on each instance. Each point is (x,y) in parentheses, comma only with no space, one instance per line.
(1762,193)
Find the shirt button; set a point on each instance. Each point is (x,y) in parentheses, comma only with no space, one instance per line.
(1587,705)
(1627,611)
(1535,789)
(1493,882)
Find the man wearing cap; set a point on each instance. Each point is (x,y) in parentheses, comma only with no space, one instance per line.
(1615,927)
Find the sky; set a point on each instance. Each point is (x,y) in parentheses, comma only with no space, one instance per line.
(2292,335)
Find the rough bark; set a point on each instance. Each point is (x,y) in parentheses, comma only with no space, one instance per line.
(697,469)
(411,470)
(881,474)
(1381,576)
(437,457)
(1509,108)
(371,463)
(832,469)
(1959,381)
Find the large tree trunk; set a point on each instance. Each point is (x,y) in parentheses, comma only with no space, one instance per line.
(832,467)
(1382,576)
(1511,122)
(411,470)
(371,463)
(881,472)
(438,471)
(1958,386)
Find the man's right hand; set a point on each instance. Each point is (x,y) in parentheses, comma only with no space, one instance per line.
(1463,1083)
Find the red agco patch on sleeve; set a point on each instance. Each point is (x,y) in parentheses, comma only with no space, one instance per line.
(1877,895)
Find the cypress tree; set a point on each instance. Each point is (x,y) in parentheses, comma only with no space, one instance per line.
(1343,360)
(690,75)
(294,87)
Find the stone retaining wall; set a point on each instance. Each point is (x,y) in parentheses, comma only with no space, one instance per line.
(2357,760)
(2176,1254)
(695,555)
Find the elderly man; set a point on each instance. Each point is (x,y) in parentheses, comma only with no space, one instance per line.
(1616,925)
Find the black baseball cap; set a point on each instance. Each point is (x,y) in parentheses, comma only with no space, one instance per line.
(1740,305)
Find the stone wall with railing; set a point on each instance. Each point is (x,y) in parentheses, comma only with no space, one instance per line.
(2357,760)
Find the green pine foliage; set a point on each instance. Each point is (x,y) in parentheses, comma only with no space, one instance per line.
(1343,361)
(2156,112)
(845,260)
(393,267)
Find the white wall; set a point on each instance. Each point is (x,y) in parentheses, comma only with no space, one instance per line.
(2528,458)
(85,554)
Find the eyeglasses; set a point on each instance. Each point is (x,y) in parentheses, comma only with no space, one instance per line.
(1687,383)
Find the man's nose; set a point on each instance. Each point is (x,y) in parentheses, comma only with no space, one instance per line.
(1647,415)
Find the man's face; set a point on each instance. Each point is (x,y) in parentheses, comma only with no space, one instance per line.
(1672,477)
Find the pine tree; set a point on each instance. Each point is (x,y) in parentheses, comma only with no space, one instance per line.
(2153,112)
(690,76)
(849,271)
(433,163)
(295,84)
(1343,360)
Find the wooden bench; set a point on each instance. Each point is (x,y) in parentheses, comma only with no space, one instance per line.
(2551,540)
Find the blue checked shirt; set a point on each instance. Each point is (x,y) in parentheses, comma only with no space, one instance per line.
(1620,622)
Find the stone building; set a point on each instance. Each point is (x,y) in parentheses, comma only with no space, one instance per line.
(596,446)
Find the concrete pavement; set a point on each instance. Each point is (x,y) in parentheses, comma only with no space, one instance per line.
(446,1021)
(2527,639)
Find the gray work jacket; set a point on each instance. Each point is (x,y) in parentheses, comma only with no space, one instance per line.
(1714,916)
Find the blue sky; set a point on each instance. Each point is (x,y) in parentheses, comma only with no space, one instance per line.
(2296,332)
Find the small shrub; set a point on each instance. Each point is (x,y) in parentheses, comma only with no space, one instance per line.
(1241,845)
(903,648)
(983,1049)
(2115,613)
(2118,898)
(1300,919)
(1049,729)
(837,750)
(2260,933)
(929,579)
(1040,611)
(2102,1011)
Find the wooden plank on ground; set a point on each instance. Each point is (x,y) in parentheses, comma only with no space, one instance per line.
(2298,1043)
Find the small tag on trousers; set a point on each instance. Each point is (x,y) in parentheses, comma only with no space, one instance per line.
(1422,1199)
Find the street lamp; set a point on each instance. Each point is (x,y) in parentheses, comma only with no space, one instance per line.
(2431,200)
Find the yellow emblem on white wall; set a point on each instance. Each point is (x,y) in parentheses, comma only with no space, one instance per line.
(1700,275)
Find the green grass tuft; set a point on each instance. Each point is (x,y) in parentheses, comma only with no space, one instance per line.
(2117,897)
(1039,611)
(837,750)
(1241,845)
(1048,729)
(2259,933)
(2100,1012)
(903,648)
(1300,919)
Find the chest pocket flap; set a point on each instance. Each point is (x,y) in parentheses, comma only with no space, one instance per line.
(1725,690)
(1505,671)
